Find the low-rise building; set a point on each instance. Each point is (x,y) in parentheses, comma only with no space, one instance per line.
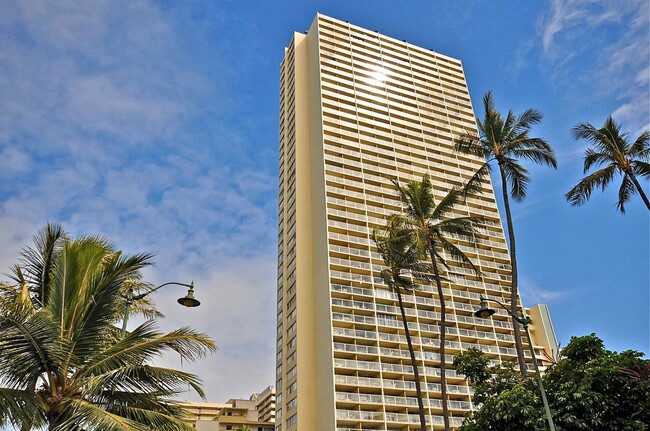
(254,414)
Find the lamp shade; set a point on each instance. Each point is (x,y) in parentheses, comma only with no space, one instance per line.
(189,300)
(484,311)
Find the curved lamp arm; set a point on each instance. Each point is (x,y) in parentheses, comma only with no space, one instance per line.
(186,301)
(523,319)
(142,295)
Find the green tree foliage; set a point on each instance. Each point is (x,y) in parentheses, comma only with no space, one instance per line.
(505,141)
(401,257)
(611,151)
(589,388)
(63,365)
(422,230)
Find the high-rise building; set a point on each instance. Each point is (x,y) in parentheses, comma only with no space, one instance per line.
(357,110)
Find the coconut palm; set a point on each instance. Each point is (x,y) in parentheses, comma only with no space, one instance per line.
(611,151)
(401,257)
(430,226)
(505,141)
(37,263)
(63,365)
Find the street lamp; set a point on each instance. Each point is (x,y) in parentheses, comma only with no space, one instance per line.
(186,301)
(484,312)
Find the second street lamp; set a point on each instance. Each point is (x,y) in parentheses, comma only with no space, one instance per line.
(484,312)
(186,301)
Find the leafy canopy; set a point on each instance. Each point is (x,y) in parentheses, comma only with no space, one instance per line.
(589,388)
(62,363)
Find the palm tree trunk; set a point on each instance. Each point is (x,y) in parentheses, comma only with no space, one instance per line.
(639,189)
(443,336)
(514,283)
(414,364)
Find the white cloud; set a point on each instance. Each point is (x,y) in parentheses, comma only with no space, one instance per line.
(567,17)
(534,294)
(238,310)
(597,51)
(107,125)
(13,160)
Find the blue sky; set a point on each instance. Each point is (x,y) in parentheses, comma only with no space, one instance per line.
(155,124)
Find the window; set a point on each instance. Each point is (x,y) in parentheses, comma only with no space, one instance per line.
(290,304)
(292,420)
(292,404)
(292,388)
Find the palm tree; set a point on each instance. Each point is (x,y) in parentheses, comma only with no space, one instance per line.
(611,150)
(506,141)
(429,226)
(37,263)
(401,256)
(63,365)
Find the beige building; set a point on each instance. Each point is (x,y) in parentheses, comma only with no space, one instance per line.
(265,404)
(253,413)
(358,109)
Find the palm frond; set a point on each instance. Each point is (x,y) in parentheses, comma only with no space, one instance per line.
(528,119)
(593,158)
(536,150)
(458,255)
(169,419)
(607,139)
(641,169)
(474,187)
(37,263)
(20,408)
(416,197)
(29,346)
(83,415)
(640,149)
(471,144)
(144,342)
(581,193)
(455,196)
(141,379)
(508,128)
(517,177)
(102,307)
(625,192)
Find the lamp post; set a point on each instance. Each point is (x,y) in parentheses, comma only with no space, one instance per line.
(186,301)
(484,312)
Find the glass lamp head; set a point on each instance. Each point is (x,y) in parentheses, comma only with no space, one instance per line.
(189,300)
(484,311)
